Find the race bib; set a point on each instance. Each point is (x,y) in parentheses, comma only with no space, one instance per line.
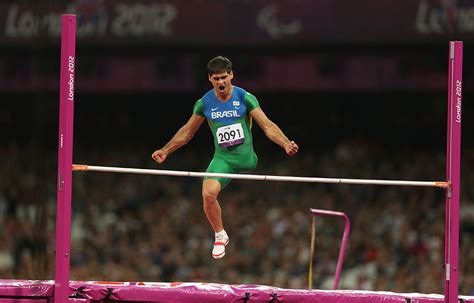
(230,135)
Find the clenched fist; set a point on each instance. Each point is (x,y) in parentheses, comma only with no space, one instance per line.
(159,156)
(291,148)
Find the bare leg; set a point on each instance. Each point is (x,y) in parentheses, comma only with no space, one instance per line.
(210,190)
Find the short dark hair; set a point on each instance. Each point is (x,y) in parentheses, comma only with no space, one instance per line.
(219,64)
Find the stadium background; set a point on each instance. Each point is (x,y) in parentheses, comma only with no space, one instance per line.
(361,88)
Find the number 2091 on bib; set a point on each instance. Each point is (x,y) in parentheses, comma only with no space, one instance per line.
(230,135)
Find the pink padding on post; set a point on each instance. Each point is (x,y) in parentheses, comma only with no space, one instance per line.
(453,167)
(65,141)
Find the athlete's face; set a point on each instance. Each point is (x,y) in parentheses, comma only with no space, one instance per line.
(222,83)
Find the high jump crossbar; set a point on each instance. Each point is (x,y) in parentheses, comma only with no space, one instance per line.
(65,166)
(178,173)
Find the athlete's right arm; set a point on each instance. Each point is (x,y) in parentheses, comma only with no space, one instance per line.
(182,137)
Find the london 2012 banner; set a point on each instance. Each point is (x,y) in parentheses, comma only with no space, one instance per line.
(241,23)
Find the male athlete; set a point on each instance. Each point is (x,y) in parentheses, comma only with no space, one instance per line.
(229,111)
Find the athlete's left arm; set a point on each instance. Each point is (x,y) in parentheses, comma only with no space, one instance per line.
(273,132)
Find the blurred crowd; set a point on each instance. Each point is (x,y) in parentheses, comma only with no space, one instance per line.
(149,228)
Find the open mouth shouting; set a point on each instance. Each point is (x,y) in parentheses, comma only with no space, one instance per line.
(221,88)
(222,84)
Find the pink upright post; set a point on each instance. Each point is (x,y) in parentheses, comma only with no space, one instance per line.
(453,159)
(64,186)
(345,239)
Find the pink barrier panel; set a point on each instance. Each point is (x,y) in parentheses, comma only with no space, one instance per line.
(214,292)
(26,288)
(15,300)
(25,291)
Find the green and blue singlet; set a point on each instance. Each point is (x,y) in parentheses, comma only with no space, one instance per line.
(230,123)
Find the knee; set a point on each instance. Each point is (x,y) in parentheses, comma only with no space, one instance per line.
(208,196)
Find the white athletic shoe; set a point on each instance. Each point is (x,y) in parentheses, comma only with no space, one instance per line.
(220,242)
